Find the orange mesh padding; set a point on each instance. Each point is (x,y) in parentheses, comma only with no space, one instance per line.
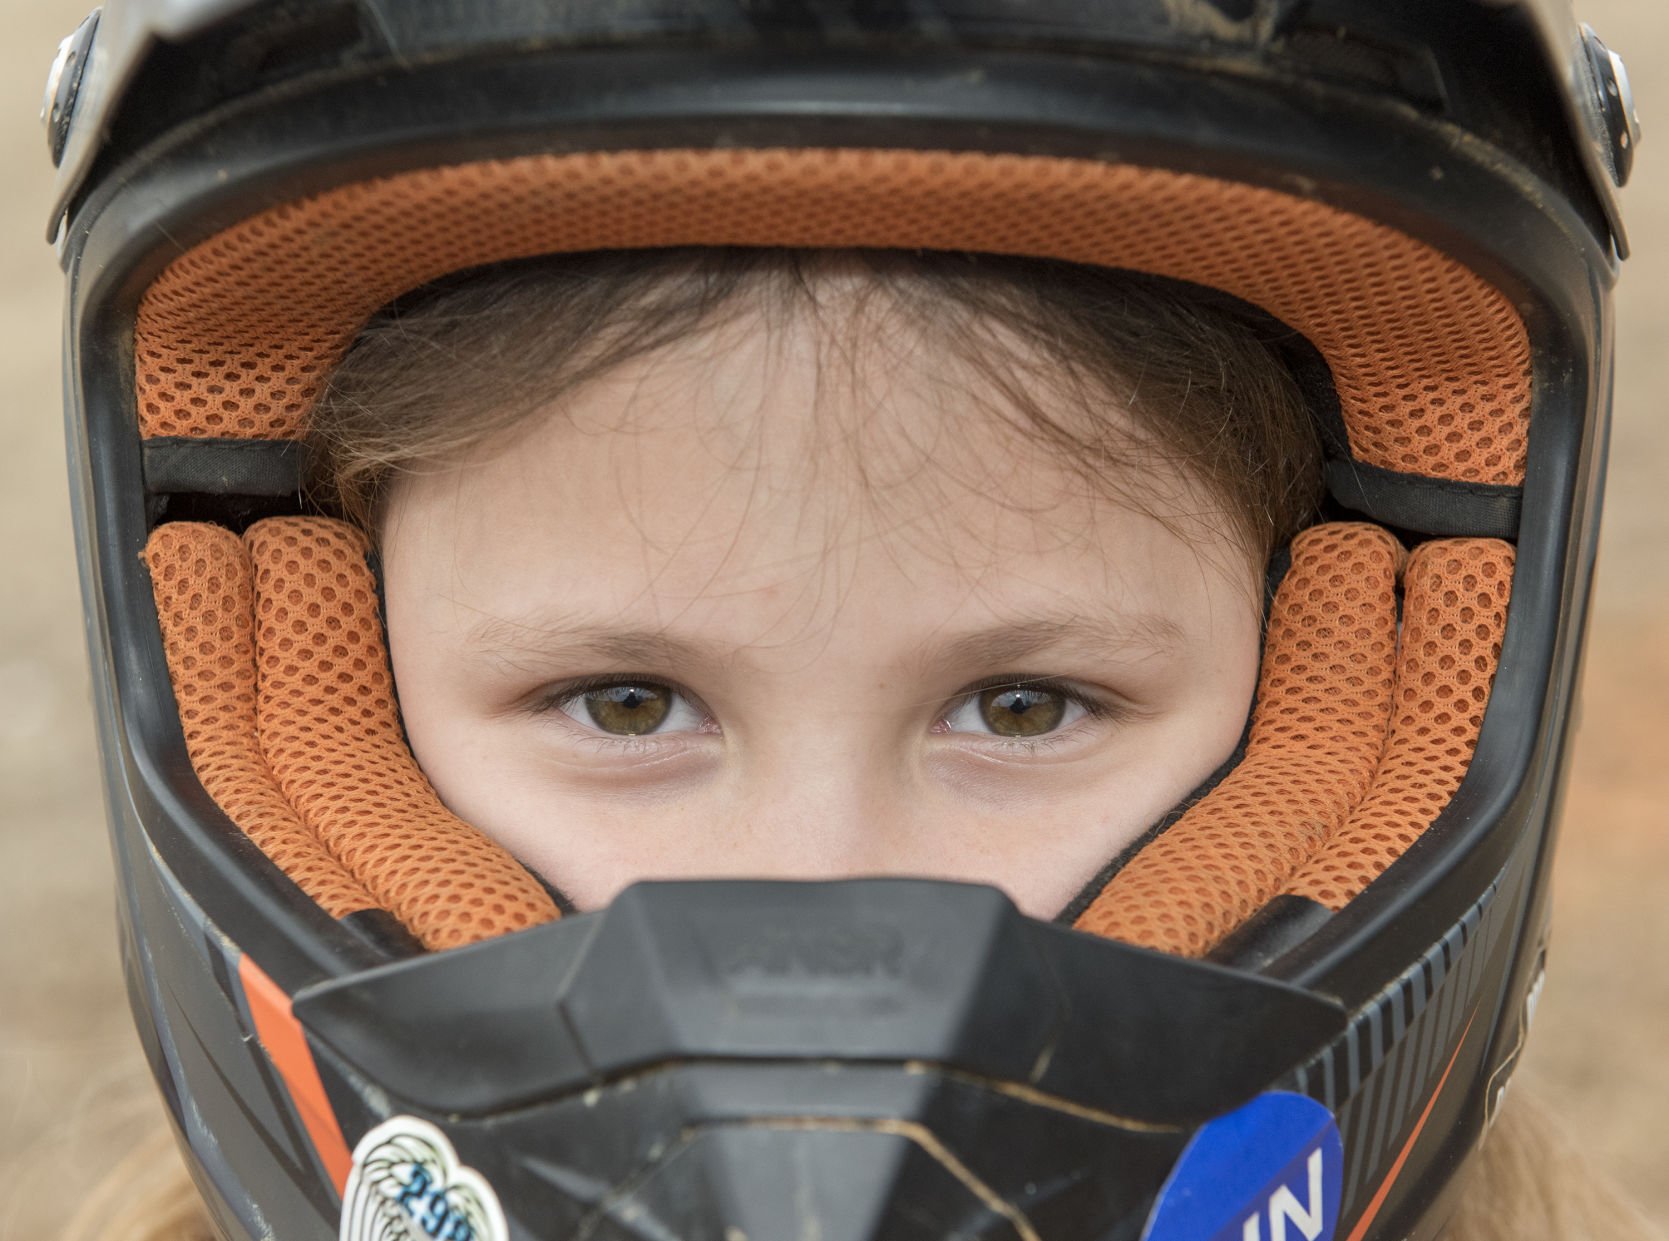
(206,604)
(331,734)
(1432,364)
(1324,703)
(1454,613)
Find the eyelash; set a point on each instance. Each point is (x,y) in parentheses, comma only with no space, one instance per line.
(552,695)
(1093,707)
(550,700)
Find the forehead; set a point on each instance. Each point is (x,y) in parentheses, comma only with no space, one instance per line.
(774,472)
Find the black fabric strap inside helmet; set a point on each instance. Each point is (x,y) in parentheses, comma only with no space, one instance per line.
(1432,506)
(184,465)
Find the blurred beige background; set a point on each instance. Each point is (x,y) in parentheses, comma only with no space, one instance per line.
(73,1092)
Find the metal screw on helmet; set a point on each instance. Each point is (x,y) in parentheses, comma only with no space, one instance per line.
(1616,104)
(63,84)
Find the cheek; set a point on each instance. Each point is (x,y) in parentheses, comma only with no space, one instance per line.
(1214,716)
(449,745)
(424,636)
(1239,657)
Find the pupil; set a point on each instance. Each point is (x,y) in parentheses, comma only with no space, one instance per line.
(1019,712)
(627,710)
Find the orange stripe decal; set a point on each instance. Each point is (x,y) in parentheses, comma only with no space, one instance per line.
(1402,1155)
(286,1046)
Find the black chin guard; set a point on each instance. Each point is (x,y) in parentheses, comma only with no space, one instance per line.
(878,1058)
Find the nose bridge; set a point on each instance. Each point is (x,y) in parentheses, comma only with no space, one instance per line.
(824,800)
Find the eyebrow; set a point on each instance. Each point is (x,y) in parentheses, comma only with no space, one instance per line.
(564,637)
(1005,644)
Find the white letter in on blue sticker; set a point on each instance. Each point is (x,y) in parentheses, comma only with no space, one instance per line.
(1269,1171)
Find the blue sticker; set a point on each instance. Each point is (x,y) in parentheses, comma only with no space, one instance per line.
(1269,1171)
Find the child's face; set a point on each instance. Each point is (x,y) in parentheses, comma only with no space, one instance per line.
(756,607)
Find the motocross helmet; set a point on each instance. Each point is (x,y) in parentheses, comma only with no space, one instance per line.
(1290,1011)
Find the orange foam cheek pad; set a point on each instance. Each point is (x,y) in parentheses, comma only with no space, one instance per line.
(282,677)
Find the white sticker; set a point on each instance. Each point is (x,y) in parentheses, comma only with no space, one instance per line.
(407,1185)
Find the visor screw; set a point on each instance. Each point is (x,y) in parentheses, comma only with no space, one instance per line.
(63,84)
(1615,102)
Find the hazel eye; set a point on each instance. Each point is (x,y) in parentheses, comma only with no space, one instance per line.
(1015,711)
(631,709)
(1018,712)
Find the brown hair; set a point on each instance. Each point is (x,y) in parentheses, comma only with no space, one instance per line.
(469,358)
(145,1196)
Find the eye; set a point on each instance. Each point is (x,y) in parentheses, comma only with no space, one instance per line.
(1016,711)
(629,708)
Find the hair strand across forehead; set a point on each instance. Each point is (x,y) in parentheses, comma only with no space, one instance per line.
(458,363)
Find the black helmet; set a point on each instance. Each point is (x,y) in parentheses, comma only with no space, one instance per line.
(1290,1012)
